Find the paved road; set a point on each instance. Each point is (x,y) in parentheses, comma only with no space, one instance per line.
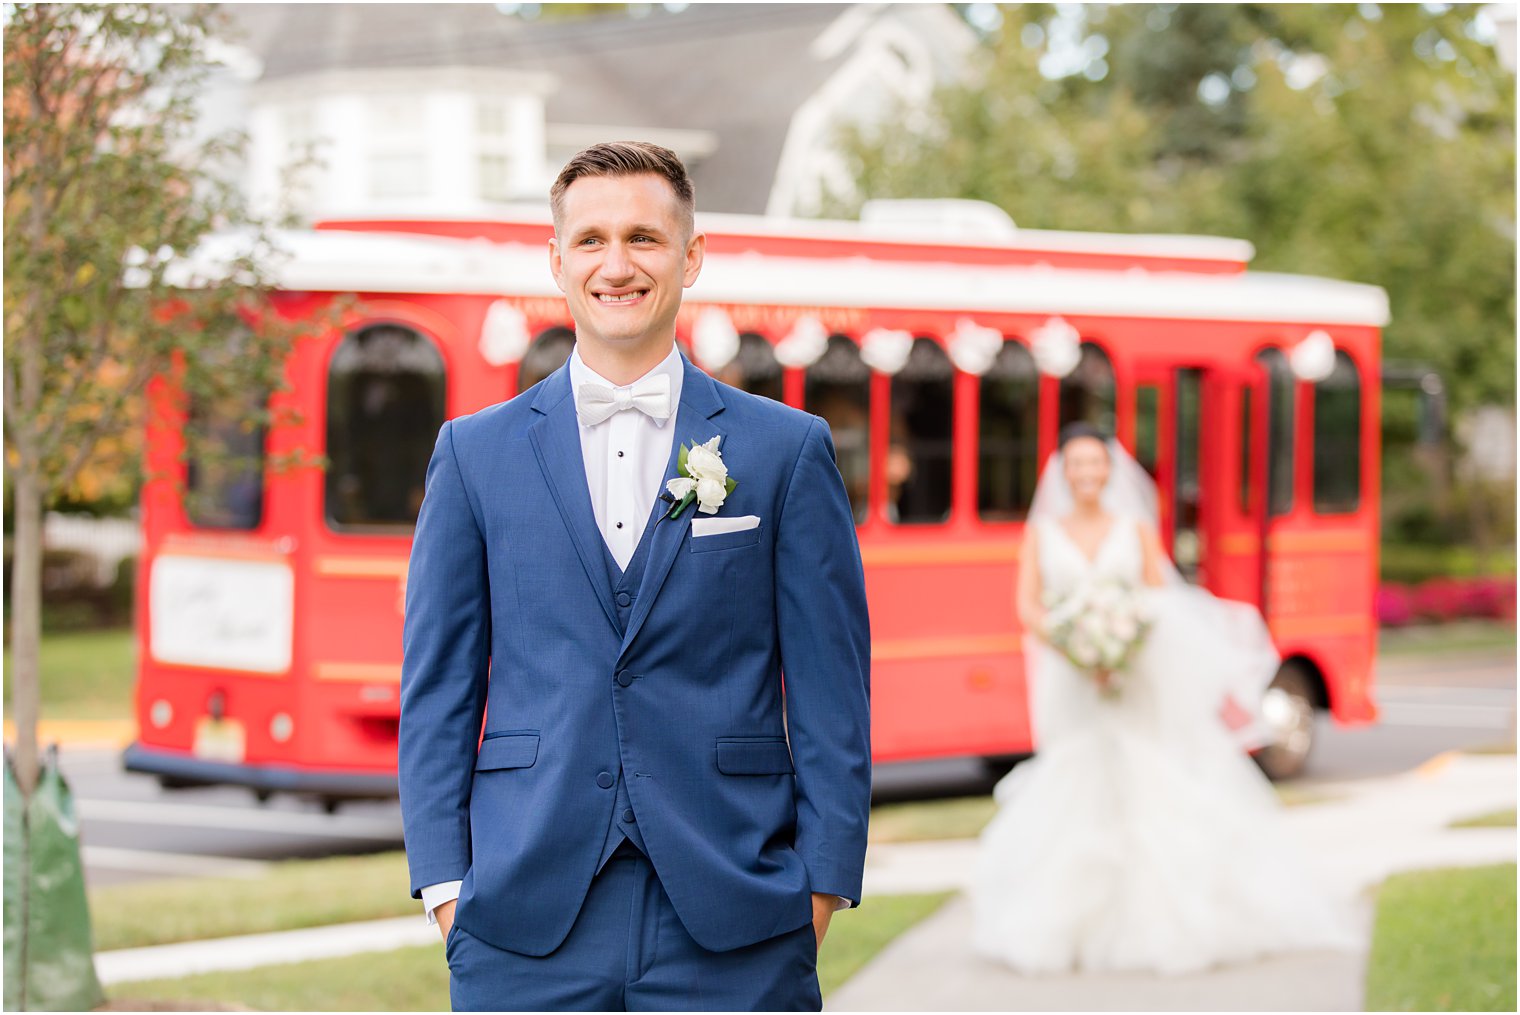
(132,830)
(1429,704)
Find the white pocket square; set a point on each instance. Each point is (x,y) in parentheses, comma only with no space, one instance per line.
(712,526)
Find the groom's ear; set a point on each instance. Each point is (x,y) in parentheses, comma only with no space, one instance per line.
(696,249)
(556,263)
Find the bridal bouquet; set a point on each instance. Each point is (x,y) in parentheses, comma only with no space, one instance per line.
(1097,625)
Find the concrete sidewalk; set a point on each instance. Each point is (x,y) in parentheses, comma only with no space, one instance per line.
(1366,831)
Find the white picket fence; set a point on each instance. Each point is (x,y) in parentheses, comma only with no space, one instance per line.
(108,540)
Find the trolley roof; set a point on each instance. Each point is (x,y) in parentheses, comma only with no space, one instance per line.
(333,260)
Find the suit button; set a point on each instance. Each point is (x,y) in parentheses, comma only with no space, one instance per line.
(624,678)
(628,814)
(624,599)
(604,780)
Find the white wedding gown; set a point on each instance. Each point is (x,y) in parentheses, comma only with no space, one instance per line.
(1141,837)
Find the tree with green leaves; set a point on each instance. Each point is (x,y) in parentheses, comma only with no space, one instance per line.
(109,195)
(1368,142)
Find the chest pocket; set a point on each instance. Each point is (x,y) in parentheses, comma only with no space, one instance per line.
(724,540)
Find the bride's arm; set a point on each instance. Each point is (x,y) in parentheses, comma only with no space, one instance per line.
(1027,593)
(1150,545)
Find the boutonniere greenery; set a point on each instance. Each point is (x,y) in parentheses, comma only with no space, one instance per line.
(703,478)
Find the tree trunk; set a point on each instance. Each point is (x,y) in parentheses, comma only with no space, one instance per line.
(26,623)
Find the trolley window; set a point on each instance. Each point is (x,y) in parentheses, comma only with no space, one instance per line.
(838,388)
(1087,393)
(385,404)
(1280,399)
(224,483)
(1148,427)
(1338,439)
(1247,461)
(923,420)
(1008,430)
(755,368)
(547,354)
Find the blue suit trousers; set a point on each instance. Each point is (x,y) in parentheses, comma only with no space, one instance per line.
(629,951)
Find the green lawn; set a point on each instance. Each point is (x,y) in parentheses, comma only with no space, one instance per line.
(417,979)
(1435,639)
(965,817)
(295,893)
(85,674)
(1444,940)
(951,818)
(1497,819)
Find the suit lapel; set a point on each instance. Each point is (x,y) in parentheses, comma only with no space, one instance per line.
(700,401)
(557,443)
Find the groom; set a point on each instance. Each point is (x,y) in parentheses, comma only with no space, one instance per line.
(655,816)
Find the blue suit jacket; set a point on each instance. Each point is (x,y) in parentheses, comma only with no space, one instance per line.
(748,800)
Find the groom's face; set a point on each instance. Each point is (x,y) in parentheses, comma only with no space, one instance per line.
(622,253)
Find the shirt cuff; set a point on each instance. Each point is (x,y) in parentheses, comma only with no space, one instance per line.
(434,896)
(842,903)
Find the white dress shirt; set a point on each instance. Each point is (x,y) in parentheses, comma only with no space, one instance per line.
(625,457)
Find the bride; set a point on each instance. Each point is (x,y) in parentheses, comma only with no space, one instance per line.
(1142,837)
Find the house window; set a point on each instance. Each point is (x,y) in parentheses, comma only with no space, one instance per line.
(838,388)
(1338,439)
(385,405)
(398,158)
(495,177)
(493,142)
(1008,427)
(491,118)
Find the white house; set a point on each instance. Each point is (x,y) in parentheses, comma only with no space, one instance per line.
(452,109)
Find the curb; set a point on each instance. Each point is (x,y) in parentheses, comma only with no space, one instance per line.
(81,734)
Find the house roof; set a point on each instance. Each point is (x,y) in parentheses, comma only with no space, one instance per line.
(737,71)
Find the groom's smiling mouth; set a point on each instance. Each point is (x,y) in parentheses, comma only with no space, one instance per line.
(621,298)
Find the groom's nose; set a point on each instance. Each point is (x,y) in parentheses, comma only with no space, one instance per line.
(616,267)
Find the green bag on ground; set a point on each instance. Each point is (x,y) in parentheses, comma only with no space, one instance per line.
(49,950)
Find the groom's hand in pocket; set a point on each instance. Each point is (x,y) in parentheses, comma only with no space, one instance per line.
(823,911)
(444,914)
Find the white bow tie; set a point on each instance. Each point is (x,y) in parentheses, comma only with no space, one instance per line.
(650,395)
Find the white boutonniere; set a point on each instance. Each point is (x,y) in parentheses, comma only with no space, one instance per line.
(703,478)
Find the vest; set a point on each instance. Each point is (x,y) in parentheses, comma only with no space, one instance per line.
(625,587)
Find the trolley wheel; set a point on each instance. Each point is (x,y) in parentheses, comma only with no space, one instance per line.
(1288,708)
(263,796)
(330,804)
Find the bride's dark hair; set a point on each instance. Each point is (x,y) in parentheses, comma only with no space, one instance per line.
(1080,428)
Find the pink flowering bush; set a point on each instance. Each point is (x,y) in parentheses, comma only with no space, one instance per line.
(1440,600)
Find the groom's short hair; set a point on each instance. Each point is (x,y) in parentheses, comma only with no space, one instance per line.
(626,158)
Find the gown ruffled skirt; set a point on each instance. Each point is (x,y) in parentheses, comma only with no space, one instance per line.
(1141,837)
